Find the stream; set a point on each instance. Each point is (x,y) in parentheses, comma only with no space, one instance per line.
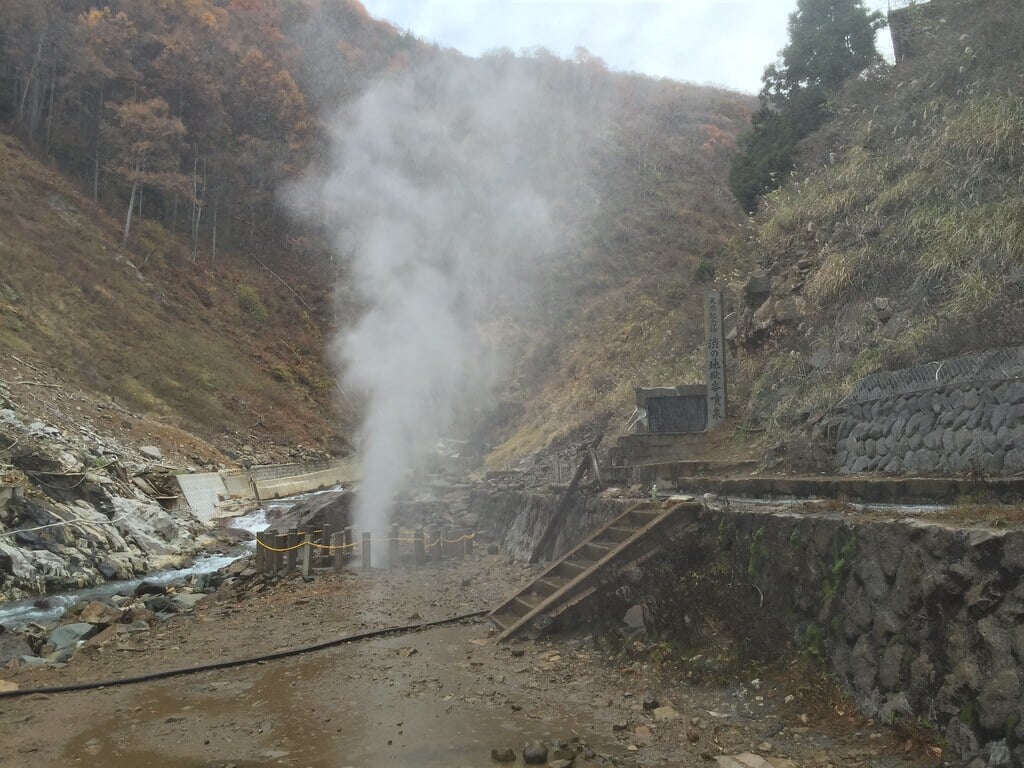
(42,608)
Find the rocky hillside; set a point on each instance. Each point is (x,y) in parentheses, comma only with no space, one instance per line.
(899,238)
(67,469)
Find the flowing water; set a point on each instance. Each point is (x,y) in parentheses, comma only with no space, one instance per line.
(50,607)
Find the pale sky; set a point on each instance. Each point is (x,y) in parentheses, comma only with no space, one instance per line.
(718,42)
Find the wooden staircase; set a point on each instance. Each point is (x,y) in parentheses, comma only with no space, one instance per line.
(626,541)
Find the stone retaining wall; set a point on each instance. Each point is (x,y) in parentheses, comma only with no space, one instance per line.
(949,429)
(916,619)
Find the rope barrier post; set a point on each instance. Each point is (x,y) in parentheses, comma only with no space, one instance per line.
(435,546)
(280,542)
(460,545)
(324,555)
(307,562)
(469,543)
(337,544)
(419,549)
(366,551)
(445,547)
(349,542)
(257,558)
(292,554)
(393,545)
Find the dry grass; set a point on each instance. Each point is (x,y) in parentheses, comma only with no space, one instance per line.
(912,194)
(148,327)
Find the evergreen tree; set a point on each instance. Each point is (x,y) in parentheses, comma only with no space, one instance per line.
(829,42)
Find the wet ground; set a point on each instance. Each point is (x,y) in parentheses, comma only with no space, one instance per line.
(441,697)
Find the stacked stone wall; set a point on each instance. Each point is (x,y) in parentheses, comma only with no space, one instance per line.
(956,428)
(918,620)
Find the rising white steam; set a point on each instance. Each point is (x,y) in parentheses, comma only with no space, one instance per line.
(439,190)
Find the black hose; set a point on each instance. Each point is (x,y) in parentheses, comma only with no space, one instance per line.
(242,662)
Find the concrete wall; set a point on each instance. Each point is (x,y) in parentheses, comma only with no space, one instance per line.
(946,429)
(289,485)
(238,484)
(203,491)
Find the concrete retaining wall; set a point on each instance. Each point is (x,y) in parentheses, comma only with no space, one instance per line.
(303,483)
(203,492)
(950,429)
(238,484)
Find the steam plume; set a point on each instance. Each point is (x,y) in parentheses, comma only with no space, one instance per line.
(439,191)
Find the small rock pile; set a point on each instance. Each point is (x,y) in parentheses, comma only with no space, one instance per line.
(101,622)
(554,754)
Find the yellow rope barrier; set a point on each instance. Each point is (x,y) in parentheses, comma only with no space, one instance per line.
(355,544)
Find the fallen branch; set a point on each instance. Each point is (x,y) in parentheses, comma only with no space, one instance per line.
(26,363)
(34,384)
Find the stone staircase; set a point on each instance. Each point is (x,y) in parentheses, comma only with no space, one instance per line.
(628,540)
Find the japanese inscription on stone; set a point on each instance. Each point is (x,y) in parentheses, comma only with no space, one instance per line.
(714,350)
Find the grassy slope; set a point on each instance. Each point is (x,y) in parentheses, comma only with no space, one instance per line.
(170,340)
(630,312)
(908,213)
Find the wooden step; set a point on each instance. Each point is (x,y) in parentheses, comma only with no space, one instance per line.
(569,569)
(617,533)
(594,551)
(549,585)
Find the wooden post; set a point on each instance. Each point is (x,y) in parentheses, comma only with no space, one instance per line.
(396,531)
(280,542)
(446,548)
(419,550)
(460,545)
(325,539)
(366,551)
(257,557)
(307,562)
(547,539)
(337,540)
(292,554)
(435,545)
(469,545)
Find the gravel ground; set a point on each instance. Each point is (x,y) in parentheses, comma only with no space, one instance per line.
(441,697)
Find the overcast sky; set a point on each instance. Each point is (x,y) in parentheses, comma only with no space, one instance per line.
(720,42)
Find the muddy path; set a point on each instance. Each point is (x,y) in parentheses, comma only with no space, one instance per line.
(441,697)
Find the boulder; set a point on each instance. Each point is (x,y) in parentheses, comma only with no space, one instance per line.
(68,635)
(186,601)
(151,452)
(100,614)
(535,753)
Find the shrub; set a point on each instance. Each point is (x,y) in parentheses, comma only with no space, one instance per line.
(250,302)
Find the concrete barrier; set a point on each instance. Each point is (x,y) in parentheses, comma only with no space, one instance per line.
(275,488)
(238,484)
(203,492)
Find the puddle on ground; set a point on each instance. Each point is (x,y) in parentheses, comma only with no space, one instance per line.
(415,700)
